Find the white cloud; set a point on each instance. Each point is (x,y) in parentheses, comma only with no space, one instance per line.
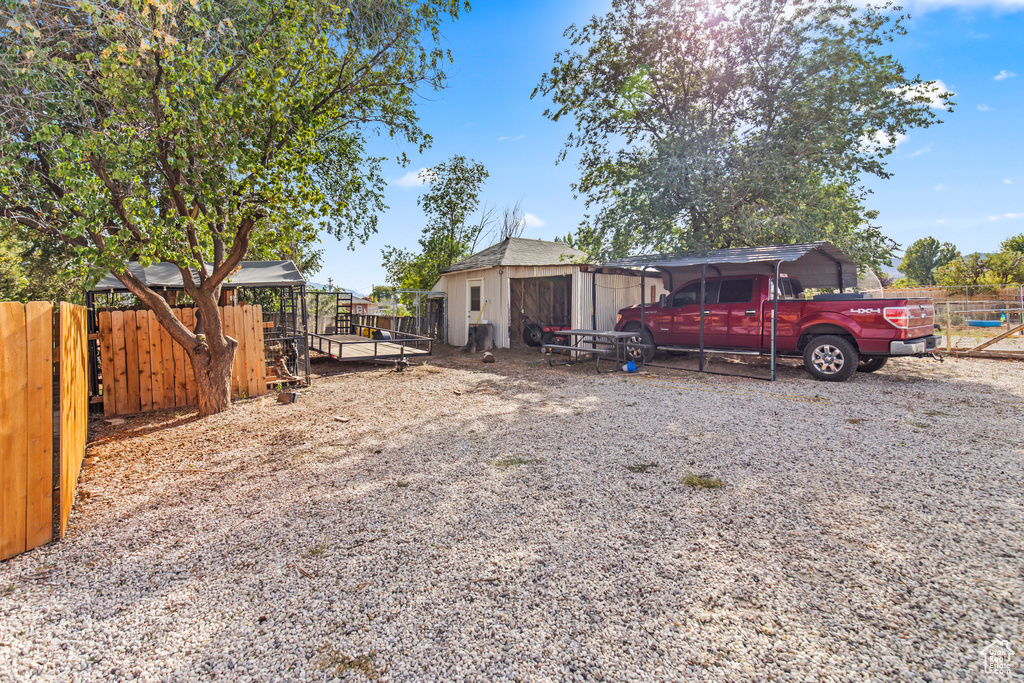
(1007,181)
(1006,216)
(531,221)
(941,221)
(939,188)
(503,138)
(414,179)
(1003,75)
(881,139)
(924,150)
(982,107)
(932,92)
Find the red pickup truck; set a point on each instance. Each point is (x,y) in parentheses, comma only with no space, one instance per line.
(836,334)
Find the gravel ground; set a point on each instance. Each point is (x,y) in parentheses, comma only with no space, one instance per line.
(512,522)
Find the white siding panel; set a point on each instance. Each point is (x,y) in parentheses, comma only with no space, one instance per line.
(614,292)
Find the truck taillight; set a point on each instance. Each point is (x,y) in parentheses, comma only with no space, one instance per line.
(618,318)
(897,316)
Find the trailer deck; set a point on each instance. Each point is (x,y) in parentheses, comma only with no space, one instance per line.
(352,347)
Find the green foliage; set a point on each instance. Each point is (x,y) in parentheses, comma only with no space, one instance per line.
(277,241)
(1015,243)
(703,125)
(923,257)
(962,271)
(34,268)
(1001,268)
(453,196)
(169,131)
(1004,267)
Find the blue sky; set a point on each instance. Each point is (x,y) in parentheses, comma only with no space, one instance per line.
(961,181)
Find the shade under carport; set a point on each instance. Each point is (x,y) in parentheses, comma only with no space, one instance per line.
(816,264)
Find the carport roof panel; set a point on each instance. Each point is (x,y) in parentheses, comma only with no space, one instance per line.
(249,274)
(815,264)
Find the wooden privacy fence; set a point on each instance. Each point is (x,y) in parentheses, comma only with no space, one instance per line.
(41,444)
(142,368)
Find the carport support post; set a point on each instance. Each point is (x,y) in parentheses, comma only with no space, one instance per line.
(703,273)
(777,286)
(593,300)
(643,304)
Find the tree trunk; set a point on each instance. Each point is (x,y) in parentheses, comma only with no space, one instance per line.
(213,376)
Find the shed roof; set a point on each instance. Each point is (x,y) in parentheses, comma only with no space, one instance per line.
(249,274)
(517,251)
(815,264)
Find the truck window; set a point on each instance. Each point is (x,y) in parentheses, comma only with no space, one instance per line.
(688,295)
(737,291)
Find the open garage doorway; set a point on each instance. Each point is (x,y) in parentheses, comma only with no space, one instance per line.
(546,301)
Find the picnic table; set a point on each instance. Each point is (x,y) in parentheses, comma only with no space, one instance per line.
(617,347)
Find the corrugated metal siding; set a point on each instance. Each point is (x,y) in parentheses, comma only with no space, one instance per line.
(614,292)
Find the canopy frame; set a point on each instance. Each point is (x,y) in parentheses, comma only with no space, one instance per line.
(816,264)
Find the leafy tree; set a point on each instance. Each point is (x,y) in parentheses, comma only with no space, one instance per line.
(1015,243)
(453,195)
(1004,267)
(924,256)
(277,241)
(702,125)
(170,131)
(34,268)
(962,271)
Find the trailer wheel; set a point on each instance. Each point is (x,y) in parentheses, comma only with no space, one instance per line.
(830,358)
(643,336)
(872,363)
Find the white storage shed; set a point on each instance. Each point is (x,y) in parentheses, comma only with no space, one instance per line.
(549,282)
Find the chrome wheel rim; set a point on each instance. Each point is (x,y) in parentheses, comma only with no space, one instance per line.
(632,352)
(828,359)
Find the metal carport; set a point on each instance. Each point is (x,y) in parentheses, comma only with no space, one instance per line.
(816,264)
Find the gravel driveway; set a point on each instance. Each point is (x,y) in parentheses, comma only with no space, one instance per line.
(462,521)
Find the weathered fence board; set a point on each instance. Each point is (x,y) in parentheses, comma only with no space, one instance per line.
(142,368)
(27,371)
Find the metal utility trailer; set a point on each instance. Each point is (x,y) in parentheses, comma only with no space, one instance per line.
(346,337)
(397,346)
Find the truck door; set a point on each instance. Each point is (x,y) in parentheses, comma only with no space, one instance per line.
(735,316)
(685,313)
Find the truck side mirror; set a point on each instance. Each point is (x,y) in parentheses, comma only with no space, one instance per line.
(662,301)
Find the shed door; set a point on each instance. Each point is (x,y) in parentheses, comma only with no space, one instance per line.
(474,302)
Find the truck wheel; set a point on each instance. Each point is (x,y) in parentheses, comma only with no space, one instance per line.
(643,336)
(872,363)
(830,358)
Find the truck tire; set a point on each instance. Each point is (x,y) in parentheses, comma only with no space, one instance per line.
(830,358)
(872,363)
(645,336)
